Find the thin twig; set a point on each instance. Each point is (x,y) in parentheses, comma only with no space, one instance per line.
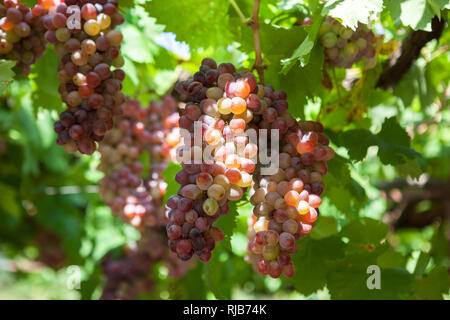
(254,23)
(238,11)
(336,83)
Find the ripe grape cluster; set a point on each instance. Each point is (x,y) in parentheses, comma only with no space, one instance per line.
(128,276)
(224,104)
(218,158)
(21,34)
(153,130)
(344,47)
(286,203)
(88,85)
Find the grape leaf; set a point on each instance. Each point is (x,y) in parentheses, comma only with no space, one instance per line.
(312,262)
(29,3)
(136,46)
(324,227)
(414,13)
(303,51)
(432,286)
(343,191)
(352,11)
(169,177)
(228,224)
(216,271)
(349,275)
(365,231)
(393,143)
(126,3)
(204,26)
(6,73)
(46,82)
(351,283)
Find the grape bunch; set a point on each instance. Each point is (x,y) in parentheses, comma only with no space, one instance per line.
(21,34)
(223,103)
(286,203)
(128,276)
(89,86)
(344,47)
(153,130)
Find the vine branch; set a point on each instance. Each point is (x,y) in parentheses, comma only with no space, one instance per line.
(402,59)
(238,11)
(253,22)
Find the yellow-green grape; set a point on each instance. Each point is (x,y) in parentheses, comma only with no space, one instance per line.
(91,27)
(104,21)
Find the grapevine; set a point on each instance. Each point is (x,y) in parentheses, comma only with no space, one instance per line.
(21,34)
(153,130)
(344,47)
(286,203)
(88,85)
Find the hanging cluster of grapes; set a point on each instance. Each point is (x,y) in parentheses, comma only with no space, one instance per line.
(220,104)
(21,34)
(153,129)
(128,276)
(286,203)
(344,47)
(88,85)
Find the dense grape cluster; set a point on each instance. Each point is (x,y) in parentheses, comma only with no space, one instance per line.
(153,130)
(224,104)
(344,47)
(21,34)
(220,104)
(88,85)
(286,203)
(128,277)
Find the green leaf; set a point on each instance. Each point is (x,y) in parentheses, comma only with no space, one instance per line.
(391,259)
(29,3)
(216,271)
(352,11)
(432,286)
(228,224)
(6,73)
(342,190)
(365,231)
(302,53)
(324,227)
(136,46)
(9,202)
(393,143)
(312,262)
(126,3)
(46,82)
(351,283)
(200,23)
(414,13)
(169,177)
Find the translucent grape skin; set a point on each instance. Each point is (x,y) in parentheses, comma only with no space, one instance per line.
(343,47)
(91,54)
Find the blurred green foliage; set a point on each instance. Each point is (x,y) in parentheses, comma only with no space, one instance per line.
(403,134)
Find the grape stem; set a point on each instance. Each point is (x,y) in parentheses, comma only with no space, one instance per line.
(336,83)
(253,22)
(239,12)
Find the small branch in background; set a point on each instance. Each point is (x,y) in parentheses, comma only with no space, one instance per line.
(253,22)
(238,11)
(406,197)
(402,59)
(258,66)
